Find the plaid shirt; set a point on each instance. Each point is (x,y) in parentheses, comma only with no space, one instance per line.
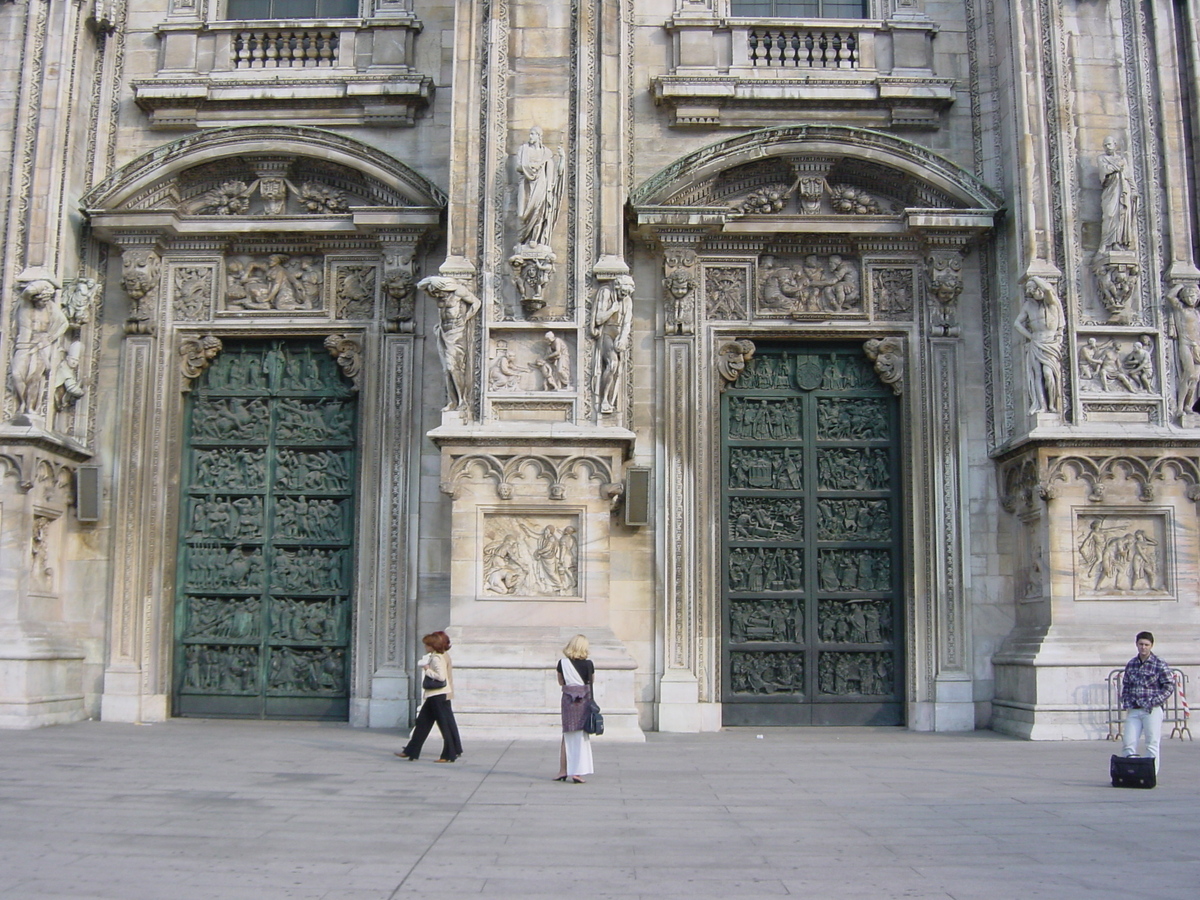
(1146,684)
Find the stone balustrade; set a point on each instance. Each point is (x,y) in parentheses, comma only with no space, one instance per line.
(803,46)
(291,48)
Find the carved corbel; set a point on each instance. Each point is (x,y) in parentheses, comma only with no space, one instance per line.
(679,282)
(943,278)
(613,492)
(347,351)
(196,355)
(732,357)
(1117,278)
(140,270)
(888,356)
(532,265)
(400,290)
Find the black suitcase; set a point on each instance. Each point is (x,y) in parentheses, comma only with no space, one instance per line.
(1132,771)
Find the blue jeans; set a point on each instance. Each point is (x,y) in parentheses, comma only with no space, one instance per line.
(1138,721)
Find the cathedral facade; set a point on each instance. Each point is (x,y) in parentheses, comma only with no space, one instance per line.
(824,362)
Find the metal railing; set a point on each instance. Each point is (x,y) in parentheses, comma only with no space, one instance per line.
(1175,710)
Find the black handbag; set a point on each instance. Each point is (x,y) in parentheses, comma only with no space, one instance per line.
(594,723)
(430,683)
(1132,771)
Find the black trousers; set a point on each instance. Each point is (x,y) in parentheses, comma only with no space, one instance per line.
(435,709)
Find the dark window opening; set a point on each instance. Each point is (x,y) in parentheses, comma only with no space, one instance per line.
(292,9)
(799,9)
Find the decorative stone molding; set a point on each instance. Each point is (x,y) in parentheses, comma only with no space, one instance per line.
(944,283)
(1029,477)
(680,281)
(506,470)
(139,279)
(399,290)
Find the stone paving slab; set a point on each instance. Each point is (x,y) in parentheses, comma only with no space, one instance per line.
(224,810)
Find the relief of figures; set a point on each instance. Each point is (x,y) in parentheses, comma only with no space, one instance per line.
(854,621)
(227,519)
(725,292)
(848,373)
(273,282)
(764,420)
(766,373)
(816,285)
(766,673)
(314,420)
(224,569)
(780,469)
(763,620)
(325,471)
(222,617)
(307,620)
(308,571)
(765,518)
(1116,556)
(867,674)
(854,570)
(529,558)
(853,469)
(854,519)
(766,569)
(298,518)
(232,419)
(856,419)
(551,360)
(1108,367)
(295,671)
(229,670)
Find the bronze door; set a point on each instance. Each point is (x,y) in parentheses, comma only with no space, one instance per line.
(811,562)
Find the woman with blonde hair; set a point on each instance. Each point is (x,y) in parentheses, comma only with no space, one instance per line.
(575,673)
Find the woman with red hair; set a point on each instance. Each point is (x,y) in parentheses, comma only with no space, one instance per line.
(437,687)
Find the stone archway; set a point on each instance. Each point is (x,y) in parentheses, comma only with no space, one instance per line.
(818,235)
(262,237)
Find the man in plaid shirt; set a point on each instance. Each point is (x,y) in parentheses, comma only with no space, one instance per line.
(1147,685)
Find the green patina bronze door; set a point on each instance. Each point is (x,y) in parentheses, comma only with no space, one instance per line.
(811,564)
(262,620)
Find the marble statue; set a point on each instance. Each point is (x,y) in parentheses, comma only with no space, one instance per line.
(612,319)
(1184,326)
(1041,322)
(1118,200)
(542,175)
(41,324)
(457,306)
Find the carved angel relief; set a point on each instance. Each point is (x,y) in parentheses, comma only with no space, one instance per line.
(269,196)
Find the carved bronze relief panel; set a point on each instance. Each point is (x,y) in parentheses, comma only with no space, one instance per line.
(811,523)
(266,537)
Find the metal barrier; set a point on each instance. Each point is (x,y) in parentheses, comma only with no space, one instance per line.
(1175,710)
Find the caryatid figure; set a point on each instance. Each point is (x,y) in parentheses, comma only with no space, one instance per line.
(541,174)
(41,324)
(1183,302)
(612,319)
(456,307)
(1041,322)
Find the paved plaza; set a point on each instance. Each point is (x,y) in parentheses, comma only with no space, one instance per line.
(225,810)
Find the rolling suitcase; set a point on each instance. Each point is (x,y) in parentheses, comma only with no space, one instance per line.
(1132,771)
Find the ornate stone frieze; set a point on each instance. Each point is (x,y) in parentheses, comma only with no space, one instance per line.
(273,282)
(1122,554)
(812,287)
(893,290)
(726,292)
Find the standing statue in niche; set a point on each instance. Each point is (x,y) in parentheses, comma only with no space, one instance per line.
(612,319)
(456,307)
(40,326)
(1183,305)
(1041,322)
(1118,200)
(542,175)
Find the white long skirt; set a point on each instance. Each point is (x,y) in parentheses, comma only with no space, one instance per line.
(579,752)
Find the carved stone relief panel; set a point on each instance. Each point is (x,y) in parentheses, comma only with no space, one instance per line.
(1117,363)
(766,673)
(814,285)
(891,290)
(193,290)
(531,361)
(273,283)
(530,555)
(726,291)
(1123,554)
(354,287)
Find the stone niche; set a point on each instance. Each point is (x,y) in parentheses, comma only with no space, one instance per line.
(530,568)
(1107,545)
